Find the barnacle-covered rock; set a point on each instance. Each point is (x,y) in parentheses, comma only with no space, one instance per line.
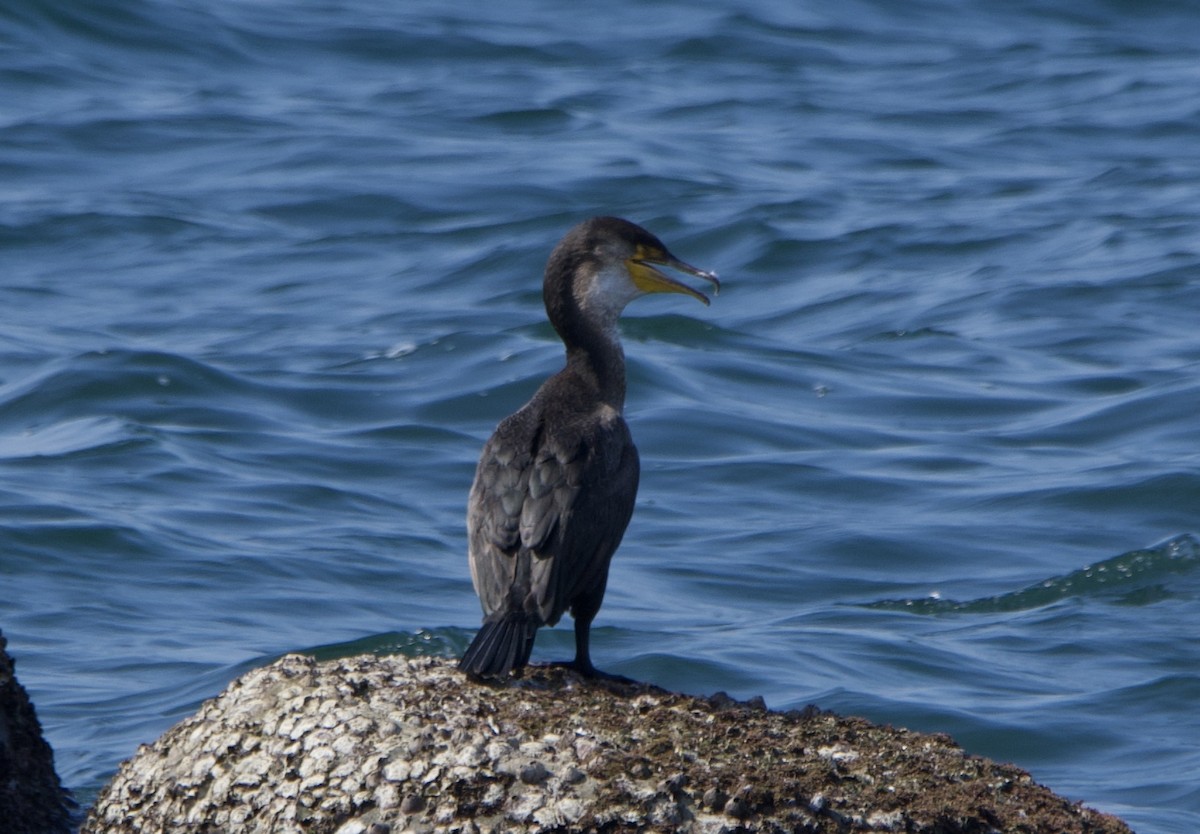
(370,745)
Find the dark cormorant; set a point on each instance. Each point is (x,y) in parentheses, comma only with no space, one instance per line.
(556,482)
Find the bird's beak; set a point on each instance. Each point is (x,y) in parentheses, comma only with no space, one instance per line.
(648,279)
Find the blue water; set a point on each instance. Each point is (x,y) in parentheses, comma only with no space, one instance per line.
(270,274)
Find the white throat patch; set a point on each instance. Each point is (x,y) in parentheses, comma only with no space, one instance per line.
(603,295)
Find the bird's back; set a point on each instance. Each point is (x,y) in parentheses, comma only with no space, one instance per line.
(553,494)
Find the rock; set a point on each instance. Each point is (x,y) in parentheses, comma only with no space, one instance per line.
(410,745)
(32,800)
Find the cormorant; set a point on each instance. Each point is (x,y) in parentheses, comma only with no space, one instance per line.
(556,482)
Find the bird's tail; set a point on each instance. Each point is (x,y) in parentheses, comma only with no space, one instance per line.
(501,646)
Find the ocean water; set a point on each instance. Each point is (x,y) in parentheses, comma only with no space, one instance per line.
(270,275)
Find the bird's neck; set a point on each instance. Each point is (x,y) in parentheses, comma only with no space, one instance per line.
(596,357)
(584,312)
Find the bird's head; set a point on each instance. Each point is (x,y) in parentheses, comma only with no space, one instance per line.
(606,262)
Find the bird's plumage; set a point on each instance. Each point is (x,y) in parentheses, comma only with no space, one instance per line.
(556,483)
(542,542)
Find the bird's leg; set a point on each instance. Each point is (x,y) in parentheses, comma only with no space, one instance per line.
(583,610)
(584,613)
(583,661)
(583,658)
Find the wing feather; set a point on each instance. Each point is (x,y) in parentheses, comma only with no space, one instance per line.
(548,509)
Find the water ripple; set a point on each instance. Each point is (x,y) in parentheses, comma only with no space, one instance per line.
(271,273)
(1140,577)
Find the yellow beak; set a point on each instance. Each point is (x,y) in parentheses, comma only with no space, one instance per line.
(648,279)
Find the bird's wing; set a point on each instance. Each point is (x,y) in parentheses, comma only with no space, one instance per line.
(494,513)
(547,511)
(590,509)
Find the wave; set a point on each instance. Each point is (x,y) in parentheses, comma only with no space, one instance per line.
(129,385)
(433,642)
(83,434)
(1139,577)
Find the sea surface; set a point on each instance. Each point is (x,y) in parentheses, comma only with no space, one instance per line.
(270,273)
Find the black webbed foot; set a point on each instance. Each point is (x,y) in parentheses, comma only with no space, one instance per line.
(587,670)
